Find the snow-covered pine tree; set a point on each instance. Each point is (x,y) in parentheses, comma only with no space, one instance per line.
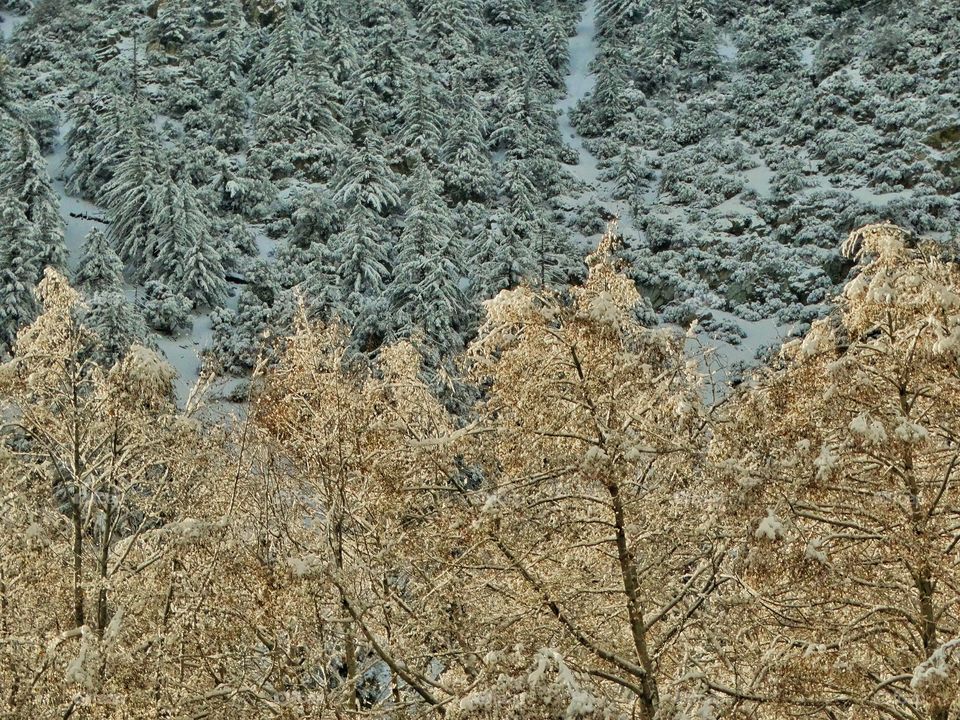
(163,309)
(100,267)
(367,188)
(386,41)
(615,17)
(285,50)
(129,195)
(448,27)
(232,47)
(18,271)
(501,257)
(366,179)
(116,323)
(203,275)
(629,181)
(425,293)
(182,251)
(23,177)
(362,251)
(465,160)
(9,105)
(420,132)
(672,28)
(172,28)
(91,116)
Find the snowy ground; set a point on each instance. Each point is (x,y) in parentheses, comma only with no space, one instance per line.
(725,359)
(580,82)
(184,352)
(8,23)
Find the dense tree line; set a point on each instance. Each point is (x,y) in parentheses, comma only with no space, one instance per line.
(357,149)
(591,539)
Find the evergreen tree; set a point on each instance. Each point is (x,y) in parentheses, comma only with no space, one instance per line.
(366,179)
(164,310)
(172,28)
(420,124)
(387,27)
(116,323)
(23,177)
(232,46)
(672,26)
(425,293)
(19,272)
(100,267)
(362,250)
(91,116)
(285,51)
(449,27)
(630,176)
(182,250)
(465,166)
(9,107)
(129,195)
(203,275)
(502,257)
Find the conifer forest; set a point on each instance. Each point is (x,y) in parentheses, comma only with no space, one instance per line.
(480,359)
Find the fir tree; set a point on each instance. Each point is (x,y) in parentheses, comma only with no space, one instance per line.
(129,196)
(502,257)
(366,179)
(91,117)
(420,124)
(363,255)
(116,323)
(19,272)
(448,27)
(182,250)
(164,310)
(100,267)
(285,51)
(172,27)
(465,162)
(23,177)
(425,293)
(203,275)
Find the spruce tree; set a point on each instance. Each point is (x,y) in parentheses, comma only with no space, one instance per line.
(203,275)
(116,323)
(19,272)
(425,293)
(449,27)
(23,177)
(130,195)
(182,250)
(100,267)
(285,51)
(366,179)
(420,123)
(465,161)
(362,250)
(502,257)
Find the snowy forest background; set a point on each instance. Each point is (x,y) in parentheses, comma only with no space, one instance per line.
(198,166)
(480,359)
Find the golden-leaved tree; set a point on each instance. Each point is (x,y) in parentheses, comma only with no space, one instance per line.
(602,560)
(842,475)
(129,583)
(358,478)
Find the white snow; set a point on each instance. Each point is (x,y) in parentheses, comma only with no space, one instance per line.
(580,82)
(183,352)
(9,23)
